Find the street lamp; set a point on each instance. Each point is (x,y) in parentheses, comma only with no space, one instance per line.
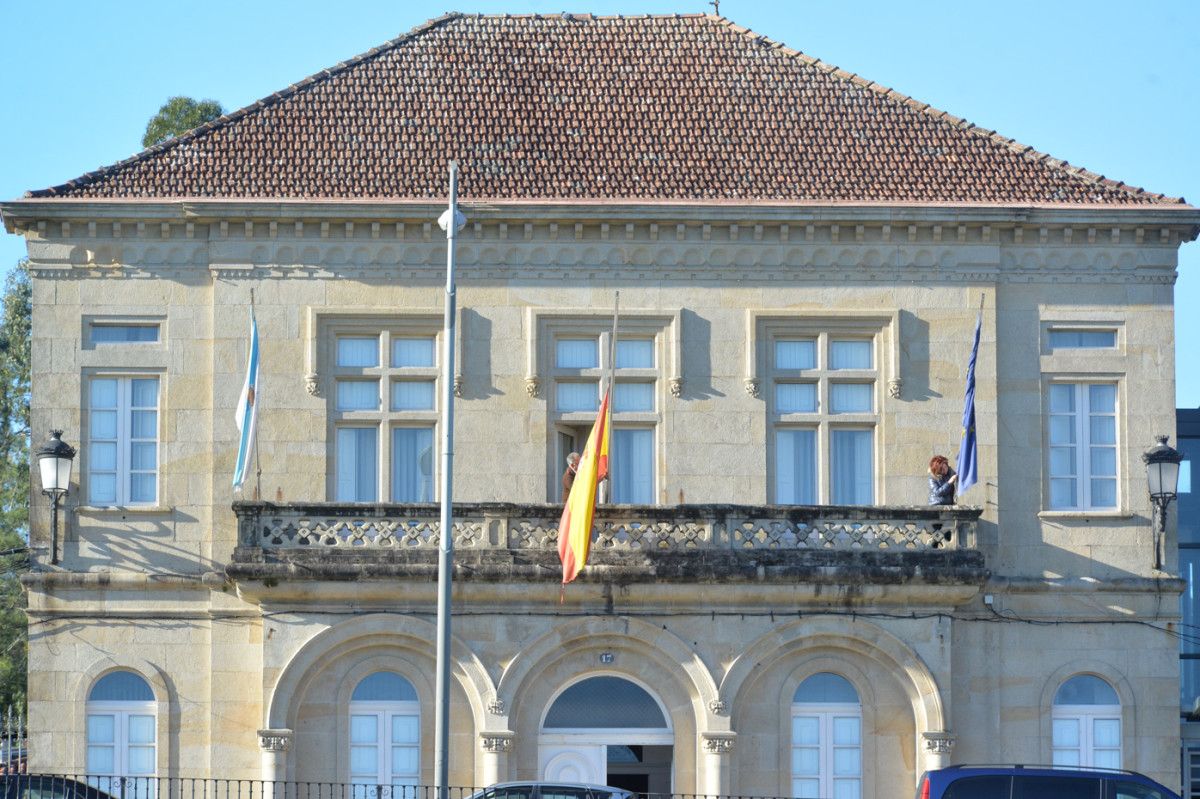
(54,461)
(1162,475)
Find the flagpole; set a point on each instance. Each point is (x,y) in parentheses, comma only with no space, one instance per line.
(450,221)
(257,459)
(612,365)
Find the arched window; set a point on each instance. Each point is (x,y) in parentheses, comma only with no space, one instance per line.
(385,734)
(607,727)
(122,731)
(1086,723)
(826,738)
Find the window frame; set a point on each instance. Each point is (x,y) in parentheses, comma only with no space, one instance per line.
(823,332)
(124,439)
(1083,445)
(383,711)
(544,377)
(93,321)
(825,713)
(383,419)
(1086,715)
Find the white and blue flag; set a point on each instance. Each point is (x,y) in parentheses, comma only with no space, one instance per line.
(247,409)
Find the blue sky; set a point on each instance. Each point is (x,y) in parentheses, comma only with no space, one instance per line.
(1106,85)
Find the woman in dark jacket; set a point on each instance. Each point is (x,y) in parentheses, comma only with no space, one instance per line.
(942,480)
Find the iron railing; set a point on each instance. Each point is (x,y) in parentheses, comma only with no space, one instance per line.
(84,786)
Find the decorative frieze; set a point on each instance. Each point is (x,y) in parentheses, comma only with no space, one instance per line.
(496,743)
(939,743)
(275,740)
(718,743)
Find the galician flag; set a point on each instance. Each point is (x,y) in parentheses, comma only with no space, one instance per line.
(968,449)
(575,527)
(247,409)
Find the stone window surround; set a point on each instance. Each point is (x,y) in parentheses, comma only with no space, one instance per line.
(325,326)
(763,329)
(544,327)
(89,321)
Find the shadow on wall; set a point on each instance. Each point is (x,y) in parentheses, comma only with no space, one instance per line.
(914,358)
(696,367)
(476,367)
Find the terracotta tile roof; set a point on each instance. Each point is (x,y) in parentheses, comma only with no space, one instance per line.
(582,107)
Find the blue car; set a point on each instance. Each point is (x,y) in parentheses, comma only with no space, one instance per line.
(1038,782)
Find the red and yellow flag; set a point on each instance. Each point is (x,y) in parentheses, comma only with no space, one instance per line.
(575,527)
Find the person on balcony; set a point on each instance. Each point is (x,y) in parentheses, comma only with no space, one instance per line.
(942,481)
(568,478)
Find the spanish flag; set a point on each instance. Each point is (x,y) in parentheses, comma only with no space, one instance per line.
(575,527)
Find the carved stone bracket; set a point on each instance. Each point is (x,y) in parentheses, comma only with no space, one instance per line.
(895,385)
(718,743)
(752,387)
(458,386)
(496,707)
(312,384)
(939,743)
(533,387)
(719,707)
(275,740)
(496,742)
(676,386)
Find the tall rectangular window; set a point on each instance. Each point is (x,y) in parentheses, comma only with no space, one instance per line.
(123,441)
(383,413)
(823,401)
(579,353)
(1082,446)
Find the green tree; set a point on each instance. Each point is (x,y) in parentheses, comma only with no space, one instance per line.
(177,116)
(16,311)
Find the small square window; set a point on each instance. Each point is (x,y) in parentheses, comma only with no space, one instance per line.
(1083,339)
(796,398)
(635,354)
(412,351)
(105,333)
(576,353)
(358,352)
(795,354)
(575,397)
(412,395)
(633,397)
(852,354)
(358,395)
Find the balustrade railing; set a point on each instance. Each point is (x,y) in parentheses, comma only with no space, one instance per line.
(628,528)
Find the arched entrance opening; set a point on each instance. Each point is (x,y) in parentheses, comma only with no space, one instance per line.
(609,730)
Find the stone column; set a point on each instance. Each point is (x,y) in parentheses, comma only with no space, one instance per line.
(496,745)
(274,745)
(718,747)
(938,747)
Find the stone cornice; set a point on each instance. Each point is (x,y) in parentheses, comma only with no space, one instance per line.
(23,215)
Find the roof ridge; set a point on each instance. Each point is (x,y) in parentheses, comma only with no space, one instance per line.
(263,102)
(1023,150)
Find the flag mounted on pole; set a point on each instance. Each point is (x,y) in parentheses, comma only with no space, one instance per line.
(247,408)
(575,527)
(968,449)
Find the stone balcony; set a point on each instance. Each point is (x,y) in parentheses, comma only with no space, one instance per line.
(498,542)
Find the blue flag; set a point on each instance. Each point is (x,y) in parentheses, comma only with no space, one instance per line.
(968,450)
(247,409)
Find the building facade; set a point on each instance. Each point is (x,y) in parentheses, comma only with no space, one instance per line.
(770,607)
(1188,432)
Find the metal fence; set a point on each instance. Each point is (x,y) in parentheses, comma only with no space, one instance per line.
(13,741)
(84,786)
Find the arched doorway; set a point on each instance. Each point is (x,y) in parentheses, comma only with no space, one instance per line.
(608,730)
